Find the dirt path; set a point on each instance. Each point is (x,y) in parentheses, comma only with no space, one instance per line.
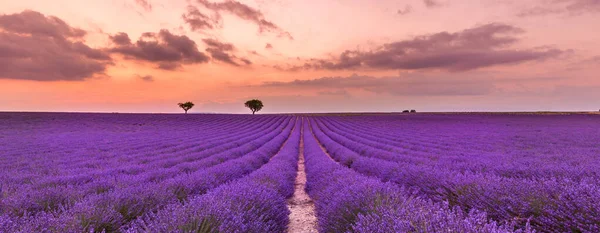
(302,218)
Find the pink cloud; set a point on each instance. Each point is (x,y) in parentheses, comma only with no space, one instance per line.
(246,12)
(482,46)
(407,9)
(569,7)
(144,4)
(415,85)
(432,3)
(222,52)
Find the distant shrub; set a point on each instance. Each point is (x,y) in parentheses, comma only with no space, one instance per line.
(413,111)
(405,111)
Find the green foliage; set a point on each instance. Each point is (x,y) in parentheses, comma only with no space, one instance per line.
(254,105)
(186,106)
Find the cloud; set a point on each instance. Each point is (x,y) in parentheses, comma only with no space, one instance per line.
(590,62)
(595,59)
(200,21)
(146,78)
(478,47)
(432,3)
(171,66)
(340,92)
(246,61)
(268,46)
(167,50)
(580,6)
(219,45)
(254,53)
(221,51)
(538,11)
(120,38)
(246,12)
(219,55)
(45,48)
(144,4)
(407,85)
(407,9)
(567,7)
(35,23)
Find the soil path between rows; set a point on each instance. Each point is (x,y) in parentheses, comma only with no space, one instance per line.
(302,217)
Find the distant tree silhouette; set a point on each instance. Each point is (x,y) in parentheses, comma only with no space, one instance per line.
(413,111)
(186,106)
(254,105)
(405,111)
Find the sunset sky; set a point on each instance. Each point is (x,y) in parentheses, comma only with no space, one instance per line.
(300,56)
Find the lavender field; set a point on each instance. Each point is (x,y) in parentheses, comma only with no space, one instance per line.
(415,172)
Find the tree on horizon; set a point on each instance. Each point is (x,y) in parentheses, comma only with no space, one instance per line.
(186,106)
(254,105)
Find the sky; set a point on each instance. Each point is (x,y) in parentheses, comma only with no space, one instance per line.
(300,56)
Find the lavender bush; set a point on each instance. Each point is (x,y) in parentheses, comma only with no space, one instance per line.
(535,195)
(70,172)
(349,202)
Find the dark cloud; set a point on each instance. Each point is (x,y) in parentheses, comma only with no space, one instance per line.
(247,13)
(149,35)
(481,46)
(253,52)
(580,6)
(221,51)
(407,9)
(200,21)
(409,85)
(146,78)
(219,55)
(432,3)
(45,48)
(144,4)
(120,38)
(167,50)
(35,23)
(268,46)
(169,66)
(246,61)
(219,45)
(566,7)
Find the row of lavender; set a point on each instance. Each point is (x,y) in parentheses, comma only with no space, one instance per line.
(230,173)
(255,203)
(517,169)
(347,201)
(63,186)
